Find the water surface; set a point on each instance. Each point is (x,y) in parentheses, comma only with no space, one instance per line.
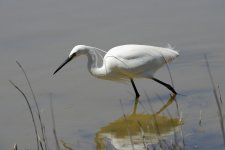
(40,35)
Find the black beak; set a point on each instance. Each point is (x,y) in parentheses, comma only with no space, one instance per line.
(63,64)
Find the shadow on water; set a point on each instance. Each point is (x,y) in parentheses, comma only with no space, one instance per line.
(137,130)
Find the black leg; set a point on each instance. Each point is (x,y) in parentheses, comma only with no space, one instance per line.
(135,89)
(166,85)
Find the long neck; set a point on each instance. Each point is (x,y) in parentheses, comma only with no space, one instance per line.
(99,72)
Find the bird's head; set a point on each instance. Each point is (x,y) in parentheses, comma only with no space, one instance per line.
(76,51)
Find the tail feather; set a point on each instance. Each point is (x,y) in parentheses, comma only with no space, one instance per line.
(170,55)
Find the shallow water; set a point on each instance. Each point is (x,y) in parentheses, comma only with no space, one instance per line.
(139,130)
(40,34)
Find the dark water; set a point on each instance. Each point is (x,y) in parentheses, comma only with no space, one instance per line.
(40,35)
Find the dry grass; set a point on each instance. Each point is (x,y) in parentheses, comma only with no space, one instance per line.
(41,142)
(30,109)
(217,99)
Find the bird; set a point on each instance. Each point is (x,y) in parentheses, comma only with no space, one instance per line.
(125,62)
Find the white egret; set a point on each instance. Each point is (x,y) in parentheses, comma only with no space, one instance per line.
(125,62)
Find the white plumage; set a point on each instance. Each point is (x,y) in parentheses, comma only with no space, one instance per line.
(136,61)
(125,62)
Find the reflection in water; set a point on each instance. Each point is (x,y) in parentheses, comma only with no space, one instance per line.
(137,131)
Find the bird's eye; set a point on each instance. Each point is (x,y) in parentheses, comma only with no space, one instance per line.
(74,54)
